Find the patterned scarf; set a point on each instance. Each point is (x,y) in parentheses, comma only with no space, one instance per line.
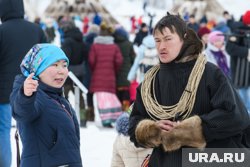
(40,57)
(221,61)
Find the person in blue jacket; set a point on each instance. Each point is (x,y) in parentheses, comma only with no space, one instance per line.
(46,121)
(17,36)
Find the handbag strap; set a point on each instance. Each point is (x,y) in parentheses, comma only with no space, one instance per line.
(17,149)
(146,161)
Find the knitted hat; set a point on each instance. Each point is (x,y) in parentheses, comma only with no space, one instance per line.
(215,36)
(246,18)
(121,32)
(93,28)
(122,124)
(67,25)
(40,57)
(202,31)
(222,26)
(105,29)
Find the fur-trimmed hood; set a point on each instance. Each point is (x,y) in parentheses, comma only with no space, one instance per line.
(104,40)
(149,41)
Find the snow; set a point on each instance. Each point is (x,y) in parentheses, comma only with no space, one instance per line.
(97,146)
(236,7)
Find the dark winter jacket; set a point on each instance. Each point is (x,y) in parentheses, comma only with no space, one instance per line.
(128,54)
(89,39)
(74,47)
(139,37)
(238,51)
(224,117)
(105,60)
(17,36)
(47,126)
(76,50)
(194,26)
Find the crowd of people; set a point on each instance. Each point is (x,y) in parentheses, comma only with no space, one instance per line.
(182,75)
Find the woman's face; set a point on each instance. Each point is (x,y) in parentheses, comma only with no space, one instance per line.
(168,45)
(55,75)
(218,44)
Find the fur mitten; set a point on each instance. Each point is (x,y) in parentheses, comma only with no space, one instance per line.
(148,133)
(186,133)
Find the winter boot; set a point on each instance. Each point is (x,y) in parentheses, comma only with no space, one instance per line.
(90,116)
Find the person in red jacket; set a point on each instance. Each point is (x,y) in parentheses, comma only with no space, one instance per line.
(105,60)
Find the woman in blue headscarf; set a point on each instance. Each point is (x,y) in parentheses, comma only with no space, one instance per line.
(46,121)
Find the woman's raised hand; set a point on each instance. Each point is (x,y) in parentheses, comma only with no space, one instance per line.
(30,85)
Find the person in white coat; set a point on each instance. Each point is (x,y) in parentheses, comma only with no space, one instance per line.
(216,53)
(147,57)
(125,154)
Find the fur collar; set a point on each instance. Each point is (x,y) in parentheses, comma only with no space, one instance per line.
(104,40)
(213,48)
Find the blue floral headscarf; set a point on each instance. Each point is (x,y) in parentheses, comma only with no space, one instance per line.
(40,57)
